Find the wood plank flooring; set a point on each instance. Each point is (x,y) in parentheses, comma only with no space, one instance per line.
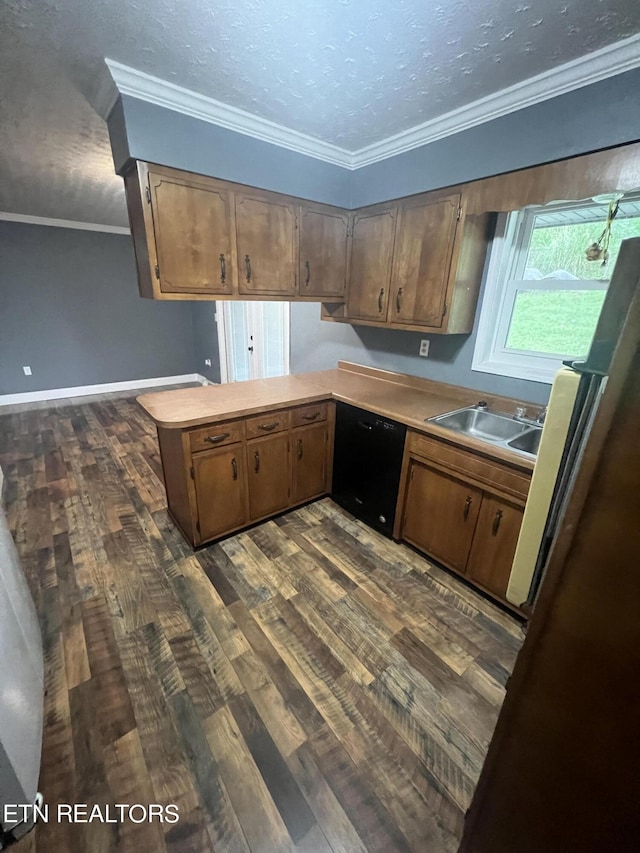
(307,685)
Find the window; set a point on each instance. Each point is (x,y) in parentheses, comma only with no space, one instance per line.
(254,340)
(543,297)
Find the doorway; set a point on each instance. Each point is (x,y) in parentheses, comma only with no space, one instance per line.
(253,338)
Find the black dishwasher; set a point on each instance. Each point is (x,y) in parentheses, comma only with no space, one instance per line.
(366,465)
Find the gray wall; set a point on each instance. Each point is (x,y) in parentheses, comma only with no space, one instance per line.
(70,309)
(163,136)
(205,337)
(599,116)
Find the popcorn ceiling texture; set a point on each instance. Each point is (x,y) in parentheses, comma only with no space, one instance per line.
(350,72)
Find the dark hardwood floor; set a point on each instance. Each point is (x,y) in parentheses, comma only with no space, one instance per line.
(306,685)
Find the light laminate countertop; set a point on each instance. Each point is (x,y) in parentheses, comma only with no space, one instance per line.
(407,399)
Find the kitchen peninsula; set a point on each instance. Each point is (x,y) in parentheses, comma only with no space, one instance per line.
(237,454)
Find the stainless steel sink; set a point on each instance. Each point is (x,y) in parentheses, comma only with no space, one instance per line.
(480,424)
(528,442)
(492,427)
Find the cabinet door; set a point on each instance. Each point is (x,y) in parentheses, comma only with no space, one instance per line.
(323,253)
(494,544)
(266,237)
(370,275)
(309,446)
(440,515)
(269,475)
(422,261)
(221,490)
(192,224)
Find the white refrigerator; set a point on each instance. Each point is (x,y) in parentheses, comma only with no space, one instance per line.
(574,401)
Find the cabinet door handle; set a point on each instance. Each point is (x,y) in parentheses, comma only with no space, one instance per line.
(223,269)
(380,297)
(234,468)
(307,277)
(311,417)
(247,261)
(268,427)
(467,507)
(496,522)
(398,300)
(256,461)
(300,449)
(215,439)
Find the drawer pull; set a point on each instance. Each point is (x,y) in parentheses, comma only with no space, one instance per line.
(269,427)
(398,300)
(223,269)
(300,449)
(307,278)
(496,522)
(312,416)
(247,261)
(216,439)
(467,507)
(380,297)
(256,462)
(234,468)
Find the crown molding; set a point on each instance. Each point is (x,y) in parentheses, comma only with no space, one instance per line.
(62,223)
(144,86)
(592,68)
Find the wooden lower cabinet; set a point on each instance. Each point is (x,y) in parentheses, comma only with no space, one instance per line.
(268,475)
(494,544)
(309,462)
(471,526)
(440,515)
(221,490)
(223,476)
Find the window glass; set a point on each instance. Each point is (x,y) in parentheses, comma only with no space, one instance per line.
(561,322)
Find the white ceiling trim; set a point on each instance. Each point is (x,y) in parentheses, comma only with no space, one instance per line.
(592,68)
(62,223)
(144,86)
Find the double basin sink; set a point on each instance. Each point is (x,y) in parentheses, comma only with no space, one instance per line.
(494,428)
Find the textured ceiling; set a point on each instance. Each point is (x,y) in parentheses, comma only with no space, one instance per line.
(350,72)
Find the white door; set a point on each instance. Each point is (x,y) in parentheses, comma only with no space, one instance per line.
(254,340)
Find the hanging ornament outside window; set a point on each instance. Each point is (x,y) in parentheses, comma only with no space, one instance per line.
(599,251)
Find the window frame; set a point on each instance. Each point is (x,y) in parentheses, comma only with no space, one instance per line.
(507,260)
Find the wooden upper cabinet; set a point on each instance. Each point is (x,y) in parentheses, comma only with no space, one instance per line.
(494,544)
(371,254)
(323,252)
(266,240)
(192,225)
(422,256)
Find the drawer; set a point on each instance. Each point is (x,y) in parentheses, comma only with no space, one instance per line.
(464,463)
(267,424)
(216,435)
(312,414)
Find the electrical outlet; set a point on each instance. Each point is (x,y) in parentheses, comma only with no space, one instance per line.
(207,362)
(27,370)
(424,347)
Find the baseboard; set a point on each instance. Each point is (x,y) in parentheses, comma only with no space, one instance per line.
(105,388)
